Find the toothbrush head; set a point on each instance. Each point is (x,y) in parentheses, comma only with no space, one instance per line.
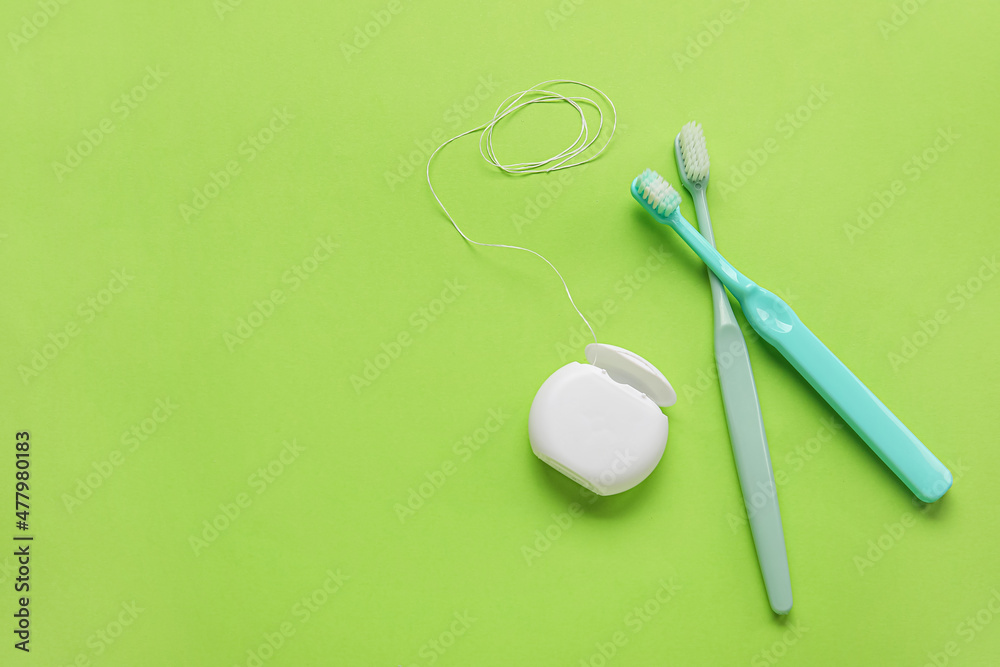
(692,156)
(655,194)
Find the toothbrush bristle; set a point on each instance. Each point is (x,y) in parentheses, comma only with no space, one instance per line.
(660,195)
(693,152)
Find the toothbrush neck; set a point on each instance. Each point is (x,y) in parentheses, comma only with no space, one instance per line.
(701,208)
(735,282)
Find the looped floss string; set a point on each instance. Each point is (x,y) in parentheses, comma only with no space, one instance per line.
(565,159)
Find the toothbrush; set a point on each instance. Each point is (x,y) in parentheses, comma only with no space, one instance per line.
(905,455)
(739,394)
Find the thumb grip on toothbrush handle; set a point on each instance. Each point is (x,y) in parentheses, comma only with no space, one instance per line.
(888,437)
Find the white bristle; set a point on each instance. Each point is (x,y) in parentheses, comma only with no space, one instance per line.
(693,152)
(658,192)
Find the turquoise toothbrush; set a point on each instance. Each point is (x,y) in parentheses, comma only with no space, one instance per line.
(739,394)
(906,456)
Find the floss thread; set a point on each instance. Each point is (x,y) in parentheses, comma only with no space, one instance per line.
(537,94)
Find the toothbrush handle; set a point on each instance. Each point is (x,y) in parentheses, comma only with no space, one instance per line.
(857,405)
(753,463)
(746,431)
(888,437)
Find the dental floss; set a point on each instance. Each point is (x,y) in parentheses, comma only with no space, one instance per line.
(600,424)
(562,160)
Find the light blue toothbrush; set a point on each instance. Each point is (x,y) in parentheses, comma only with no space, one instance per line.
(739,394)
(906,456)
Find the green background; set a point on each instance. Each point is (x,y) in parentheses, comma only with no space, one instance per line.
(877,578)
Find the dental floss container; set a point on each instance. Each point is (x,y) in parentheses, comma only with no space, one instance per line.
(600,424)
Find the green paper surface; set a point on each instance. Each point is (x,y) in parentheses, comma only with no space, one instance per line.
(277,407)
